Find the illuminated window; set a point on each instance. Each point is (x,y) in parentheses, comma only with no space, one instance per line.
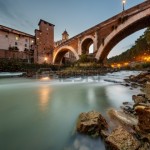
(17,38)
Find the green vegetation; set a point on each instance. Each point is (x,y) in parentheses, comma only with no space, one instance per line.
(15,65)
(140,51)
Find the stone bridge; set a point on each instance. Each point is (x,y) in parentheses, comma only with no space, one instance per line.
(107,34)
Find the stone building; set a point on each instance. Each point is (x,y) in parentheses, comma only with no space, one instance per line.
(44,38)
(15,44)
(69,56)
(18,45)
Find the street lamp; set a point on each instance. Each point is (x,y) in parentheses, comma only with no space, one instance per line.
(45,59)
(123,3)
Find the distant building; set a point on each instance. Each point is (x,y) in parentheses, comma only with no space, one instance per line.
(69,56)
(16,44)
(44,38)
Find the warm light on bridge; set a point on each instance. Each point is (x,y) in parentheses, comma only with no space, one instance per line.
(45,58)
(147,58)
(119,65)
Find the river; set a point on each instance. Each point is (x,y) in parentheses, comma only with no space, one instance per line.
(42,114)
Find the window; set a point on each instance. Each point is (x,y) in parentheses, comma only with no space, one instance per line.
(6,36)
(16,43)
(25,45)
(17,38)
(26,40)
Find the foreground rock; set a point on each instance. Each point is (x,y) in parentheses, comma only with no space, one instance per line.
(121,139)
(139,99)
(143,113)
(139,80)
(91,123)
(121,118)
(147,90)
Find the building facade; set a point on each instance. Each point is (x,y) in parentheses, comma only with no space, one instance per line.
(15,44)
(37,48)
(44,42)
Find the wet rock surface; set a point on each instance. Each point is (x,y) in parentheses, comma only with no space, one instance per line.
(131,124)
(143,113)
(147,90)
(91,123)
(121,139)
(139,80)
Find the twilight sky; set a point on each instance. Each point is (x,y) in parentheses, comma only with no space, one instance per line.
(73,15)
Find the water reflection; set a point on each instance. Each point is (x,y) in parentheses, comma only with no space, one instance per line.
(44,93)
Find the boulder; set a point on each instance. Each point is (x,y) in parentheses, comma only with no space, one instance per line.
(142,80)
(91,123)
(145,146)
(121,118)
(147,90)
(138,99)
(143,113)
(121,139)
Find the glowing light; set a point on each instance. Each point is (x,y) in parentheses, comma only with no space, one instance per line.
(45,58)
(17,38)
(44,96)
(123,1)
(32,41)
(126,64)
(112,66)
(45,78)
(118,65)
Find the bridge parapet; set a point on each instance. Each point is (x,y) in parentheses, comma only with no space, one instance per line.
(102,33)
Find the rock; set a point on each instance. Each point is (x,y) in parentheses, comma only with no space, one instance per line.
(147,90)
(132,77)
(91,123)
(138,99)
(121,139)
(104,134)
(134,85)
(143,113)
(142,80)
(148,77)
(122,118)
(145,146)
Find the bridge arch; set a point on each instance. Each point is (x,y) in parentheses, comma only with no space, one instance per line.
(58,56)
(86,42)
(131,25)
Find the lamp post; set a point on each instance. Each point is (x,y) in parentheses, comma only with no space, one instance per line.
(123,3)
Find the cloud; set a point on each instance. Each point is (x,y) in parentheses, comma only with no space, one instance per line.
(11,16)
(4,9)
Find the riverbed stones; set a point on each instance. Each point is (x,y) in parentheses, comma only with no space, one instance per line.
(121,139)
(143,113)
(91,123)
(138,99)
(119,117)
(147,90)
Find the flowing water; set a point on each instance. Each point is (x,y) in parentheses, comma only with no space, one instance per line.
(42,114)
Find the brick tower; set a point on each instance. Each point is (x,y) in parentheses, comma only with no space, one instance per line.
(44,42)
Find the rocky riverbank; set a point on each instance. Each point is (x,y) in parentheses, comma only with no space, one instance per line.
(127,128)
